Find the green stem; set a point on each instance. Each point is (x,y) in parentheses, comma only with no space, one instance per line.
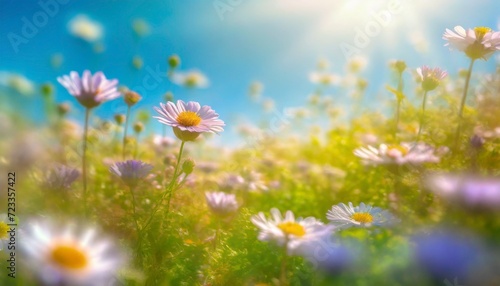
(284,262)
(136,151)
(125,132)
(462,103)
(398,107)
(216,238)
(169,189)
(137,228)
(422,116)
(84,160)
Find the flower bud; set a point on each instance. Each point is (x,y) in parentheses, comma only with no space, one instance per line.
(47,89)
(188,166)
(119,119)
(131,97)
(138,127)
(400,66)
(63,109)
(169,96)
(174,61)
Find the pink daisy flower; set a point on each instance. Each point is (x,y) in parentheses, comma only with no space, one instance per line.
(189,119)
(90,90)
(431,77)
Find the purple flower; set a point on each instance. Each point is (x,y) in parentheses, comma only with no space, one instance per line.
(131,171)
(90,90)
(447,254)
(189,119)
(472,190)
(61,177)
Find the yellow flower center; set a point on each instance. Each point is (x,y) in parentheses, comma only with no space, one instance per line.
(188,118)
(4,228)
(362,217)
(399,148)
(192,80)
(481,31)
(294,228)
(69,257)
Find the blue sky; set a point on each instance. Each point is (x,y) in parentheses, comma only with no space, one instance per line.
(277,42)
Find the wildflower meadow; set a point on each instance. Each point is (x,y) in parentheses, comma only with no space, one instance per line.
(132,159)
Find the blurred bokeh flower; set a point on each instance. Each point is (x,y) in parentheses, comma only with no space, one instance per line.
(90,90)
(4,230)
(17,82)
(190,79)
(480,42)
(62,256)
(324,78)
(345,216)
(161,141)
(220,203)
(131,171)
(430,77)
(470,189)
(447,254)
(61,177)
(405,153)
(327,254)
(288,231)
(189,119)
(81,26)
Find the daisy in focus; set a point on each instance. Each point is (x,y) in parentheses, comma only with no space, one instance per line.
(471,190)
(191,79)
(477,43)
(189,120)
(406,153)
(90,90)
(288,231)
(345,216)
(63,257)
(220,203)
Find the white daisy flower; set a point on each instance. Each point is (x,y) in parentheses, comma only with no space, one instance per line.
(190,79)
(221,203)
(406,153)
(83,27)
(480,42)
(343,216)
(472,190)
(61,257)
(288,231)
